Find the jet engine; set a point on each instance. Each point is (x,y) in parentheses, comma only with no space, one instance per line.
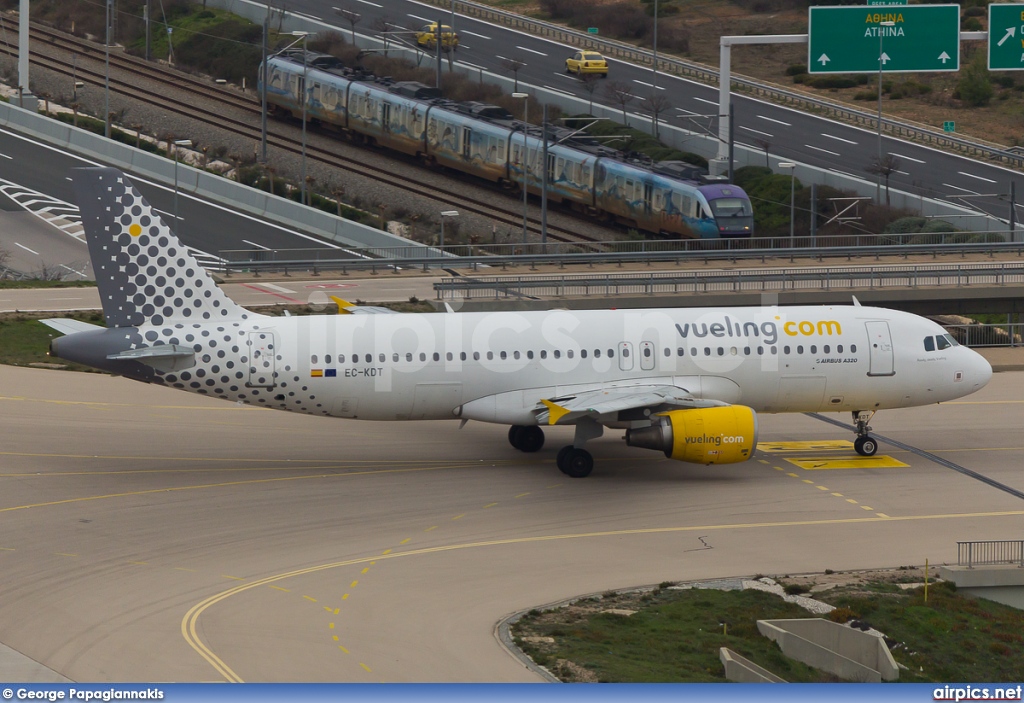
(723,435)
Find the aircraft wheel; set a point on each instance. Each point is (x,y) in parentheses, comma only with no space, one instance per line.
(530,438)
(865,446)
(513,435)
(560,458)
(578,463)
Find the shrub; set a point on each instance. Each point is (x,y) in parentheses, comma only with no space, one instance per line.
(905,225)
(971,24)
(796,69)
(832,82)
(843,615)
(795,589)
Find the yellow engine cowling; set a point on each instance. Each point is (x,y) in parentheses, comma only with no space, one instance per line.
(724,435)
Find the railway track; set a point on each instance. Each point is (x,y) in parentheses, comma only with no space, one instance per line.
(212,109)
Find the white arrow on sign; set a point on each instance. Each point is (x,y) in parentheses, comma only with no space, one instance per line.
(943,57)
(824,59)
(884,58)
(1009,33)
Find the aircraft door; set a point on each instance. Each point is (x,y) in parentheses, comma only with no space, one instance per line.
(262,360)
(625,356)
(647,356)
(880,360)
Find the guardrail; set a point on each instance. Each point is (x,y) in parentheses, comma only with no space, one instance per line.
(747,280)
(971,554)
(563,253)
(978,335)
(706,74)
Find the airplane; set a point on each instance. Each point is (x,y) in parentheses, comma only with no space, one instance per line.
(689,383)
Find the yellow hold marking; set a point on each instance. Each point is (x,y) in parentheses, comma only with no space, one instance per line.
(522,494)
(851,500)
(365,569)
(432,527)
(838,495)
(331,626)
(821,488)
(458,516)
(386,551)
(866,507)
(406,540)
(233,578)
(490,505)
(334,637)
(812,446)
(343,649)
(344,597)
(278,588)
(848,462)
(881,515)
(354,584)
(310,598)
(365,667)
(555,412)
(343,305)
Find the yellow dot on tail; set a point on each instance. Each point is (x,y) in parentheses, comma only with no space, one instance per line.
(135,229)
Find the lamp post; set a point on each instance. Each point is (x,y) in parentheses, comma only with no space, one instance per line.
(186,143)
(526,106)
(106,77)
(446,214)
(654,66)
(302,95)
(882,58)
(792,192)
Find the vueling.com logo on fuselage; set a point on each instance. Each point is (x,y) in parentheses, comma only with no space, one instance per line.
(717,440)
(768,331)
(823,328)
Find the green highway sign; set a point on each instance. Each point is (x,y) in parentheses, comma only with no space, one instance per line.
(948,126)
(591,30)
(887,2)
(1006,37)
(855,38)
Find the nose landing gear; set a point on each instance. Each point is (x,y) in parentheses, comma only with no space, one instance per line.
(865,444)
(526,438)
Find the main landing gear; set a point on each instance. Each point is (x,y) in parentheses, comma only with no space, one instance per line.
(865,444)
(573,461)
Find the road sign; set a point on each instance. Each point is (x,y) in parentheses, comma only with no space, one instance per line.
(591,30)
(853,39)
(949,126)
(1006,37)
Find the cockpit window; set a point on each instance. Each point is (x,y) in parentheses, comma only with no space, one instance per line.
(952,340)
(929,344)
(943,341)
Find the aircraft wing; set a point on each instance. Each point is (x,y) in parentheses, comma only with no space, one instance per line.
(66,326)
(611,401)
(347,308)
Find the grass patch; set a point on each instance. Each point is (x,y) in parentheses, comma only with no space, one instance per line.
(37,283)
(24,340)
(675,635)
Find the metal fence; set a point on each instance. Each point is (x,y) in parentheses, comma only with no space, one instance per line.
(978,335)
(739,281)
(971,554)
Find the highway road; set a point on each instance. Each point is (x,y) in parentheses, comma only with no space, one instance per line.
(36,178)
(793,135)
(149,535)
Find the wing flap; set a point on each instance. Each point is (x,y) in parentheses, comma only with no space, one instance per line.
(605,401)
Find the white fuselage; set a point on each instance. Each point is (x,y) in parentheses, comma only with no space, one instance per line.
(495,367)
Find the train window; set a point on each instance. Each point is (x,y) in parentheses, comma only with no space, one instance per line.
(467,141)
(929,344)
(585,174)
(551,167)
(942,342)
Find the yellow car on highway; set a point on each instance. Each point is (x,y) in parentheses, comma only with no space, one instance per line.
(587,62)
(427,36)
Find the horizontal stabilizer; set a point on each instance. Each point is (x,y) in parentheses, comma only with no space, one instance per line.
(164,357)
(68,326)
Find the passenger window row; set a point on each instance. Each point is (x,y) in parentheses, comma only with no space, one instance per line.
(583,354)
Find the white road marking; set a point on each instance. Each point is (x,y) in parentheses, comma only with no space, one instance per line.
(304,14)
(980,178)
(949,185)
(532,51)
(565,75)
(908,158)
(770,119)
(818,148)
(26,249)
(709,102)
(11,157)
(557,90)
(367,2)
(279,289)
(258,246)
(838,139)
(688,112)
(421,19)
(902,173)
(471,65)
(757,131)
(842,172)
(649,85)
(466,31)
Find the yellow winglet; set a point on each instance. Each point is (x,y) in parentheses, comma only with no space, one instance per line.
(343,305)
(555,412)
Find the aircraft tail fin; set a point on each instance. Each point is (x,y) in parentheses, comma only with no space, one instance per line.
(144,274)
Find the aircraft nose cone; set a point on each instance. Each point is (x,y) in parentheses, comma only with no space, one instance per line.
(982,371)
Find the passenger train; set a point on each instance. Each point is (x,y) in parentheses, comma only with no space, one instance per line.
(669,198)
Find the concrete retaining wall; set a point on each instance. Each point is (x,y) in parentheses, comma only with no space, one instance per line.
(848,653)
(742,670)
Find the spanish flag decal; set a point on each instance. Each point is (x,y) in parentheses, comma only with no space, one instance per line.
(316,373)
